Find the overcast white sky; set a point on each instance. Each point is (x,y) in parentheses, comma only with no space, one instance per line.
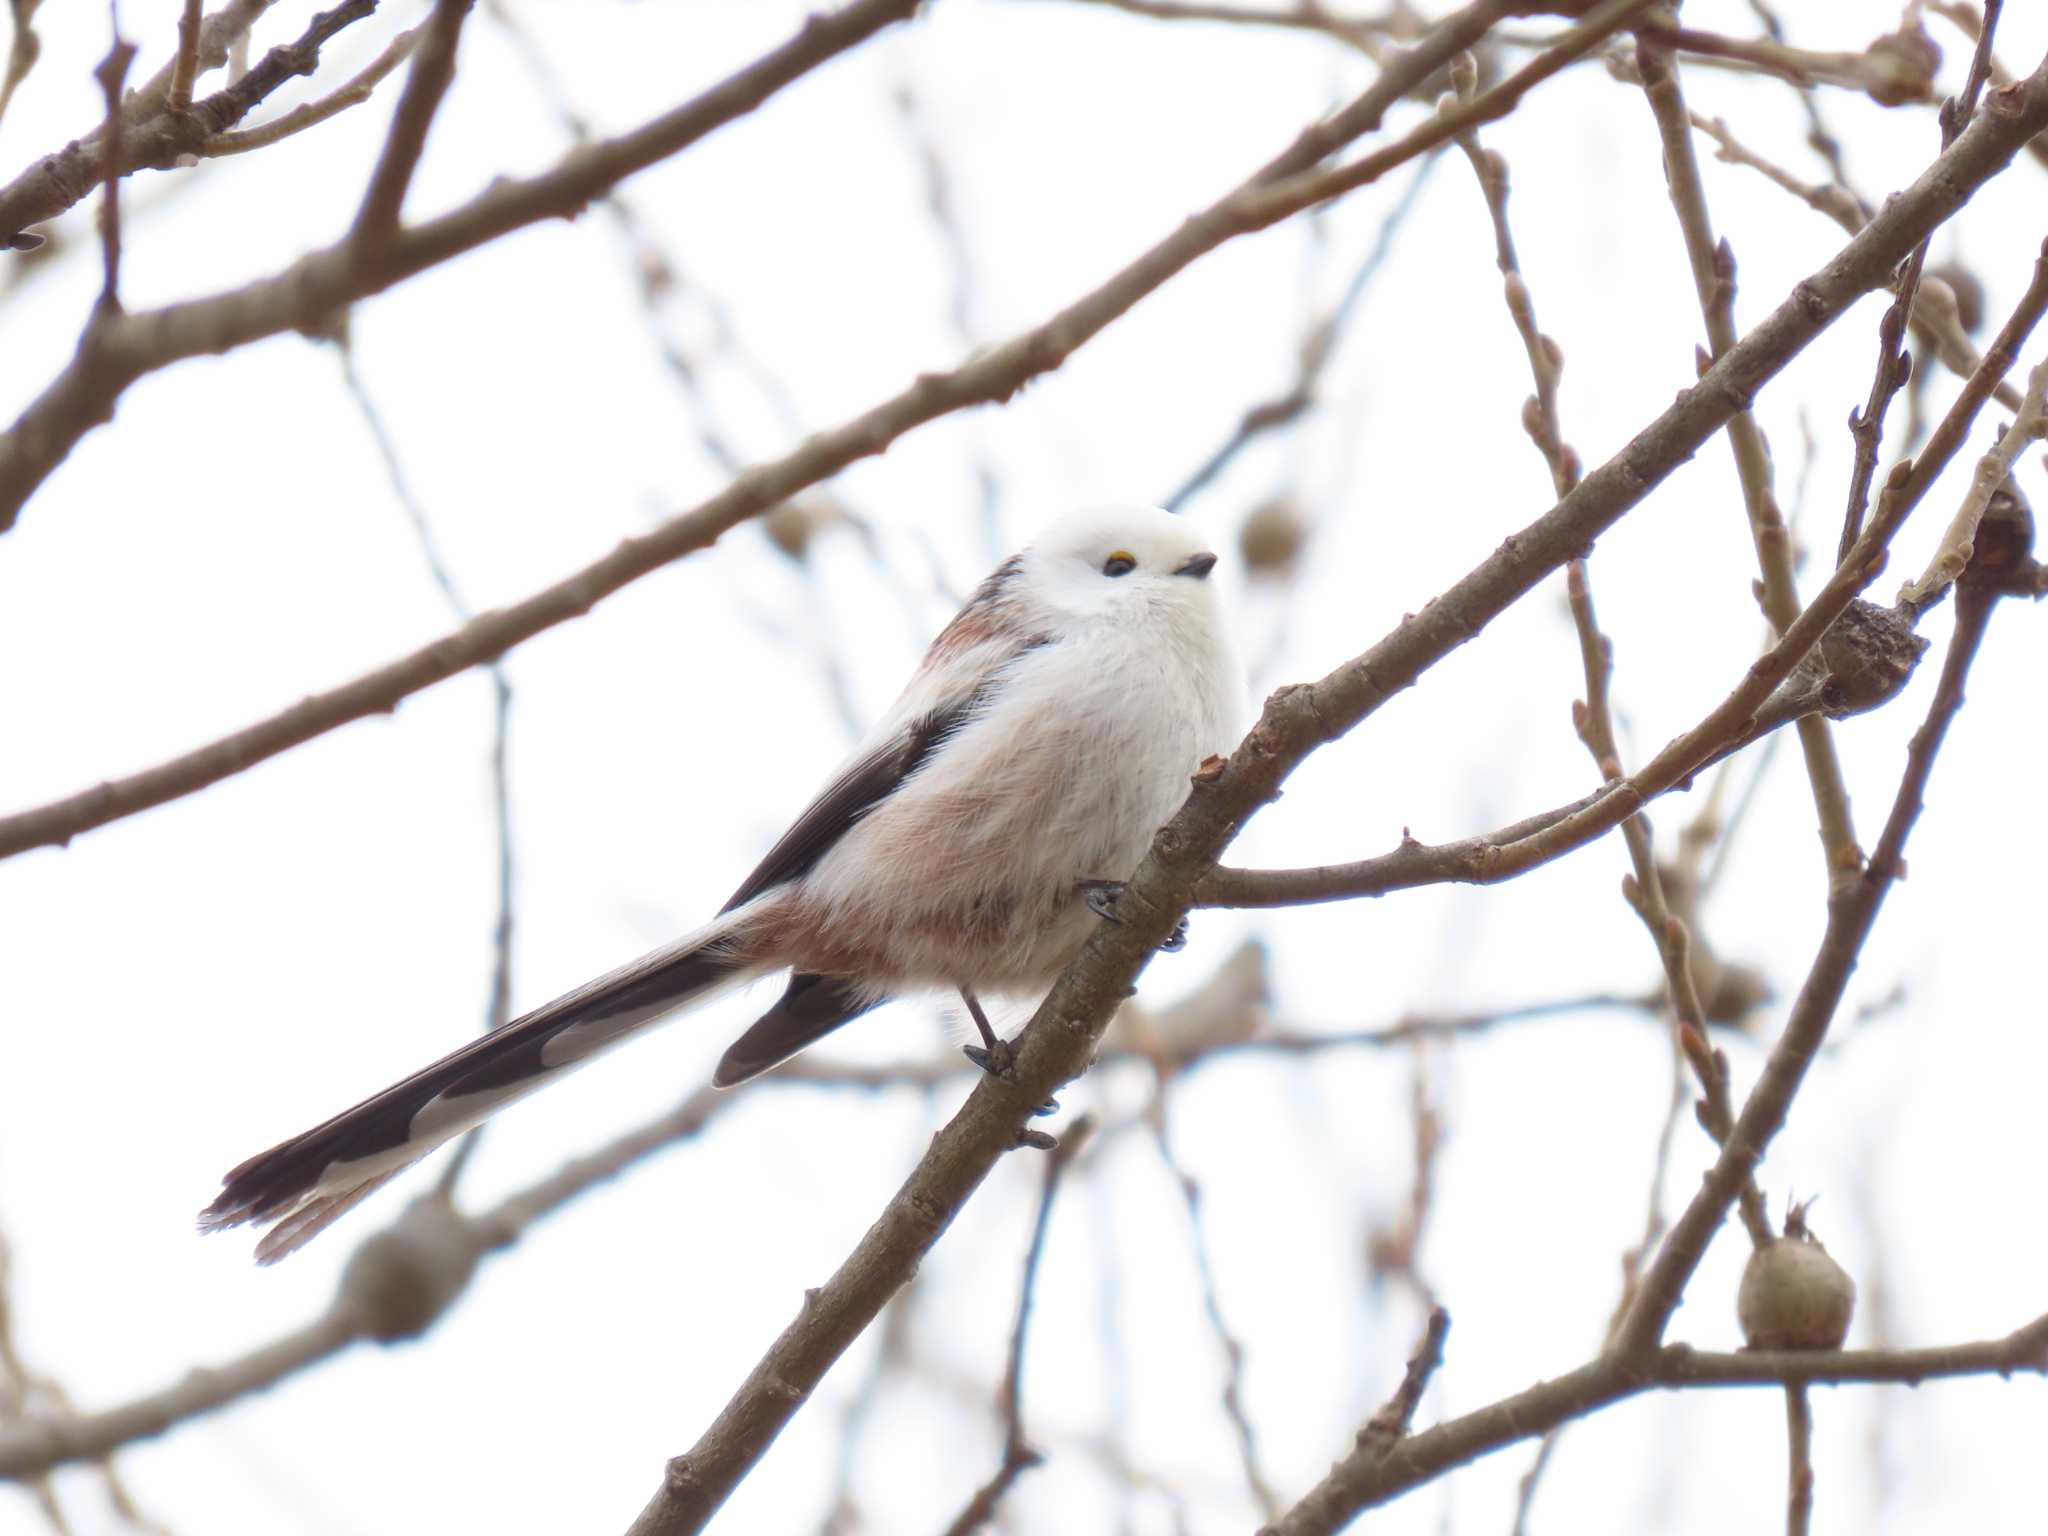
(184,988)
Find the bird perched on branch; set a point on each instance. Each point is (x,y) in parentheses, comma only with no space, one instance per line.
(1047,734)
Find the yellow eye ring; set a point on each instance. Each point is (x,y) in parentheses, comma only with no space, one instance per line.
(1120,563)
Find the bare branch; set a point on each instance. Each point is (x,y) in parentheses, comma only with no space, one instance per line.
(1969,20)
(357,91)
(429,1235)
(156,138)
(1370,1475)
(22,54)
(321,284)
(185,67)
(1314,355)
(1231,1347)
(1896,70)
(433,67)
(1935,323)
(1398,1412)
(1799,1468)
(1018,1456)
(1055,1047)
(1894,367)
(1713,272)
(1645,893)
(219,36)
(1370,37)
(112,75)
(1546,359)
(1958,543)
(1851,915)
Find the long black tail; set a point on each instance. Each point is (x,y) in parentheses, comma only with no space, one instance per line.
(299,1186)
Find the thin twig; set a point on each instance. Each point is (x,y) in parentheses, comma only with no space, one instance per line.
(1525,844)
(1851,916)
(963,308)
(433,67)
(1546,359)
(1370,37)
(1056,1045)
(1799,1436)
(154,137)
(1890,75)
(1967,19)
(1394,1251)
(1632,1260)
(185,67)
(1312,359)
(1018,1456)
(1958,542)
(1232,1347)
(1368,1476)
(1713,273)
(1397,1413)
(498,1000)
(1893,366)
(318,286)
(358,90)
(112,74)
(1645,893)
(1935,323)
(22,54)
(32,1446)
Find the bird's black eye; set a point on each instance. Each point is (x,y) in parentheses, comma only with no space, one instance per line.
(1122,563)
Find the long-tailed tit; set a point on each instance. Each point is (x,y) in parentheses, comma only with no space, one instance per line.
(1049,731)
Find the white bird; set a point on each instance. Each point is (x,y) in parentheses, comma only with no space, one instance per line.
(1047,734)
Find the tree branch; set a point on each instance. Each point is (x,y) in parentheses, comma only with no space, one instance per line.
(1373,1474)
(354,93)
(185,67)
(1018,1456)
(1526,844)
(433,68)
(1852,912)
(1713,272)
(1056,1046)
(154,137)
(316,286)
(328,280)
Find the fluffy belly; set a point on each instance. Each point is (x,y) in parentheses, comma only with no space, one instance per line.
(1001,941)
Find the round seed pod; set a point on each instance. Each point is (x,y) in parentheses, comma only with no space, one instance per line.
(1271,540)
(1793,1295)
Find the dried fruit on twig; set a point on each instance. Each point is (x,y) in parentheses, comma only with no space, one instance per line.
(1794,1295)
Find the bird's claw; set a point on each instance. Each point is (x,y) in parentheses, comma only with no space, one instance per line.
(1000,1062)
(1100,897)
(997,1060)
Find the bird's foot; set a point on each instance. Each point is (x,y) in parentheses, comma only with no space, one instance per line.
(999,1061)
(1100,897)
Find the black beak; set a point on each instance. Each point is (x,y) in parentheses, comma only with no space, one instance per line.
(1196,566)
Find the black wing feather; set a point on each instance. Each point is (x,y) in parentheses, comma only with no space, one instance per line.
(872,779)
(852,795)
(811,1008)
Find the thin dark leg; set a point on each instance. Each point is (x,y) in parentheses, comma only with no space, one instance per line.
(990,1043)
(994,1055)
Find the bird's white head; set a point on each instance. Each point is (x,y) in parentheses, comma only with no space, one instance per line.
(1116,562)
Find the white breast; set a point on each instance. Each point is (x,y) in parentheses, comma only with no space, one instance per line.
(969,874)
